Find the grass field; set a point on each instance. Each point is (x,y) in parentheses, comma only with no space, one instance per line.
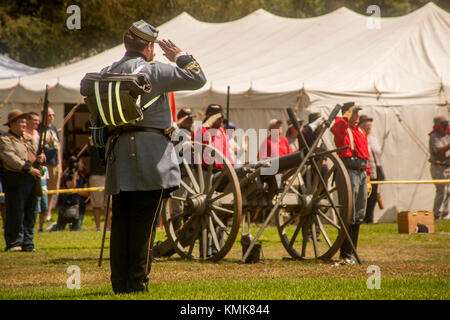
(415,266)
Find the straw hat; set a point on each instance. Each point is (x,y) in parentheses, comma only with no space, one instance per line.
(14,115)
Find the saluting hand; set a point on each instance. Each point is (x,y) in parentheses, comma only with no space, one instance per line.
(170,49)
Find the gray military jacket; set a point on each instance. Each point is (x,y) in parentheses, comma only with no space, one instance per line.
(142,160)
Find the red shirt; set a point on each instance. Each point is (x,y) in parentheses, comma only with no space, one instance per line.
(274,149)
(342,139)
(218,138)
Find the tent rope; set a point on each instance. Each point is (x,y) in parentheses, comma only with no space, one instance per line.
(202,106)
(5,102)
(411,133)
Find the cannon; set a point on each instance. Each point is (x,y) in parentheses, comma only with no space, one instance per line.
(309,196)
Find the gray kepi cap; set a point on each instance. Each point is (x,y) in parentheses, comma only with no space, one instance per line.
(144,31)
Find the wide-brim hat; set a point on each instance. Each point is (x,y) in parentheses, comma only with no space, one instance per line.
(363,118)
(144,31)
(348,105)
(185,112)
(440,119)
(214,109)
(14,115)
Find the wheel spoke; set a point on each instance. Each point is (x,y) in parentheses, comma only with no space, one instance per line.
(314,239)
(191,176)
(324,195)
(191,247)
(322,230)
(228,211)
(174,217)
(220,196)
(204,238)
(299,226)
(216,184)
(325,179)
(328,219)
(213,233)
(188,189)
(177,198)
(219,222)
(289,220)
(208,177)
(200,177)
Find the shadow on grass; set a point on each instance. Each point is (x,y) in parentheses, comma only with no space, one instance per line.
(70,260)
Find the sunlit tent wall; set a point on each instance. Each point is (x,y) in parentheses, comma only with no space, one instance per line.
(399,73)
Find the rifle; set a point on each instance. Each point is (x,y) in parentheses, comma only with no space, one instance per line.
(42,138)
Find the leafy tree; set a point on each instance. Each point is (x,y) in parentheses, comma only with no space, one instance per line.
(34,32)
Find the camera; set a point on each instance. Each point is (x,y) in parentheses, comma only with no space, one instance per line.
(73,163)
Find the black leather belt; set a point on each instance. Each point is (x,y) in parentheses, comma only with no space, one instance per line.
(165,132)
(134,129)
(356,164)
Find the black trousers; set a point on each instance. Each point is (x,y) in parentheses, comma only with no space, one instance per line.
(21,210)
(134,220)
(371,202)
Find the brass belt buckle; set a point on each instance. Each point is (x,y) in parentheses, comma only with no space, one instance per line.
(168,132)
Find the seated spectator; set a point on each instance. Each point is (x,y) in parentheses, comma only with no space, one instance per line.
(73,178)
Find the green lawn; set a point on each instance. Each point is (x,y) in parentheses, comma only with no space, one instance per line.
(415,266)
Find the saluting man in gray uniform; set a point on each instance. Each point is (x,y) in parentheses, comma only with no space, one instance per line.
(142,167)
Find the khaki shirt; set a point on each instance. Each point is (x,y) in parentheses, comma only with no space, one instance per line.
(17,153)
(437,142)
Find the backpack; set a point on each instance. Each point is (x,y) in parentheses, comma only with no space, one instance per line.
(113,100)
(111,97)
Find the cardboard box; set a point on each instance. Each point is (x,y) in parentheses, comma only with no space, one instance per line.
(408,220)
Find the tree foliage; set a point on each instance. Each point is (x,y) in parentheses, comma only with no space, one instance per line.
(34,32)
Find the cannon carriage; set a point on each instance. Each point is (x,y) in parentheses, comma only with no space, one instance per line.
(309,196)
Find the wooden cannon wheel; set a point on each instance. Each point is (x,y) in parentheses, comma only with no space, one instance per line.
(202,218)
(313,231)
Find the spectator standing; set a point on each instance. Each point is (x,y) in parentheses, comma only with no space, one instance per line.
(97,179)
(274,145)
(2,206)
(42,201)
(212,132)
(184,123)
(18,153)
(440,165)
(376,172)
(53,154)
(292,135)
(356,159)
(33,122)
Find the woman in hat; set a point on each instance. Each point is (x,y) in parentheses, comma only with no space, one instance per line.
(18,154)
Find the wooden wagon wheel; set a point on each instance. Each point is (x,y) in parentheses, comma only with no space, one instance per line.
(202,218)
(313,231)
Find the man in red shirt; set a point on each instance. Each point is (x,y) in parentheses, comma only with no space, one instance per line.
(356,160)
(274,146)
(212,132)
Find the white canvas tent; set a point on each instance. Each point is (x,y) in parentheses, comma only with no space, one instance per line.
(10,68)
(400,71)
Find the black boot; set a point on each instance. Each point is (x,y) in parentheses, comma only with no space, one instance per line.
(346,248)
